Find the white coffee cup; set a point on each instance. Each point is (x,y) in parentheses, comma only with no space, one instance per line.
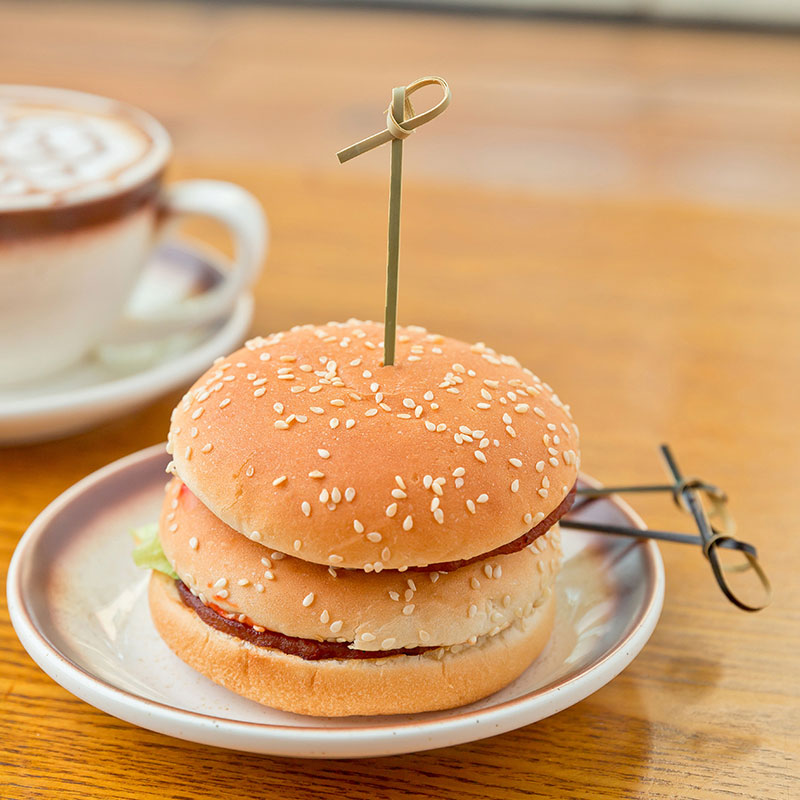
(82,206)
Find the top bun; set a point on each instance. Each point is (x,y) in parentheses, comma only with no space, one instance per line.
(305,442)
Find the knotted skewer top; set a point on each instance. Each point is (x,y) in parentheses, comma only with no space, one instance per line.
(401,129)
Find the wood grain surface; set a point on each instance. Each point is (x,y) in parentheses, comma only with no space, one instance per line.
(616,206)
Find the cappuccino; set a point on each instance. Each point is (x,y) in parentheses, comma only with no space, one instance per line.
(81,208)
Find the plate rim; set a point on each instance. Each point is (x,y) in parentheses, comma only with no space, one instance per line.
(145,712)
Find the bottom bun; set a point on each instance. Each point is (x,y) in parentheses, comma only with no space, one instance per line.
(431,681)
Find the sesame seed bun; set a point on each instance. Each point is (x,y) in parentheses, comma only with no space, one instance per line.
(384,611)
(305,443)
(402,684)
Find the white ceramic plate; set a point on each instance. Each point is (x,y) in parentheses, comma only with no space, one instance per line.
(110,383)
(79,607)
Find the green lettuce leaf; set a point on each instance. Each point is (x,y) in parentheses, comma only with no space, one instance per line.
(147,552)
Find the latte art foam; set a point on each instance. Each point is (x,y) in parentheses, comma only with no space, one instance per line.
(52,155)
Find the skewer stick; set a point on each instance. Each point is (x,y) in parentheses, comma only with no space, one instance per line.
(400,124)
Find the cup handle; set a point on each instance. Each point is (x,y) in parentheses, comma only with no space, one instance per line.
(243,216)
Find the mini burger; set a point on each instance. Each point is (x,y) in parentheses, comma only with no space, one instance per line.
(342,537)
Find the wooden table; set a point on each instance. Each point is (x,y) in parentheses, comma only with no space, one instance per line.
(616,206)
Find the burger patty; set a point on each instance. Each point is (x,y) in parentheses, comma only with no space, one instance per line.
(307,649)
(513,546)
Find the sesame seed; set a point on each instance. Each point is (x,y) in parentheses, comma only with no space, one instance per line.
(225,402)
(553,461)
(334,559)
(483,498)
(388,644)
(297,544)
(540,466)
(324,496)
(437,489)
(305,507)
(480,456)
(207,448)
(317,410)
(197,413)
(408,402)
(371,412)
(498,571)
(546,482)
(336,495)
(334,422)
(515,462)
(538,411)
(391,509)
(487,570)
(359,528)
(243,582)
(459,472)
(259,587)
(324,617)
(322,453)
(511,432)
(259,392)
(471,506)
(542,493)
(368,637)
(438,515)
(408,609)
(515,485)
(188,452)
(308,599)
(374,536)
(350,423)
(223,593)
(281,424)
(315,473)
(435,503)
(221,583)
(336,626)
(472,610)
(408,523)
(538,517)
(266,562)
(193,543)
(434,576)
(528,518)
(337,402)
(349,494)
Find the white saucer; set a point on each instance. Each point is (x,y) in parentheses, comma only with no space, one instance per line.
(109,384)
(79,607)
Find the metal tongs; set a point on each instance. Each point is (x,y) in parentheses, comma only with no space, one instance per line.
(689,495)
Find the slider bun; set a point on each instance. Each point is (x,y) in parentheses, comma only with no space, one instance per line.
(333,688)
(459,605)
(386,443)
